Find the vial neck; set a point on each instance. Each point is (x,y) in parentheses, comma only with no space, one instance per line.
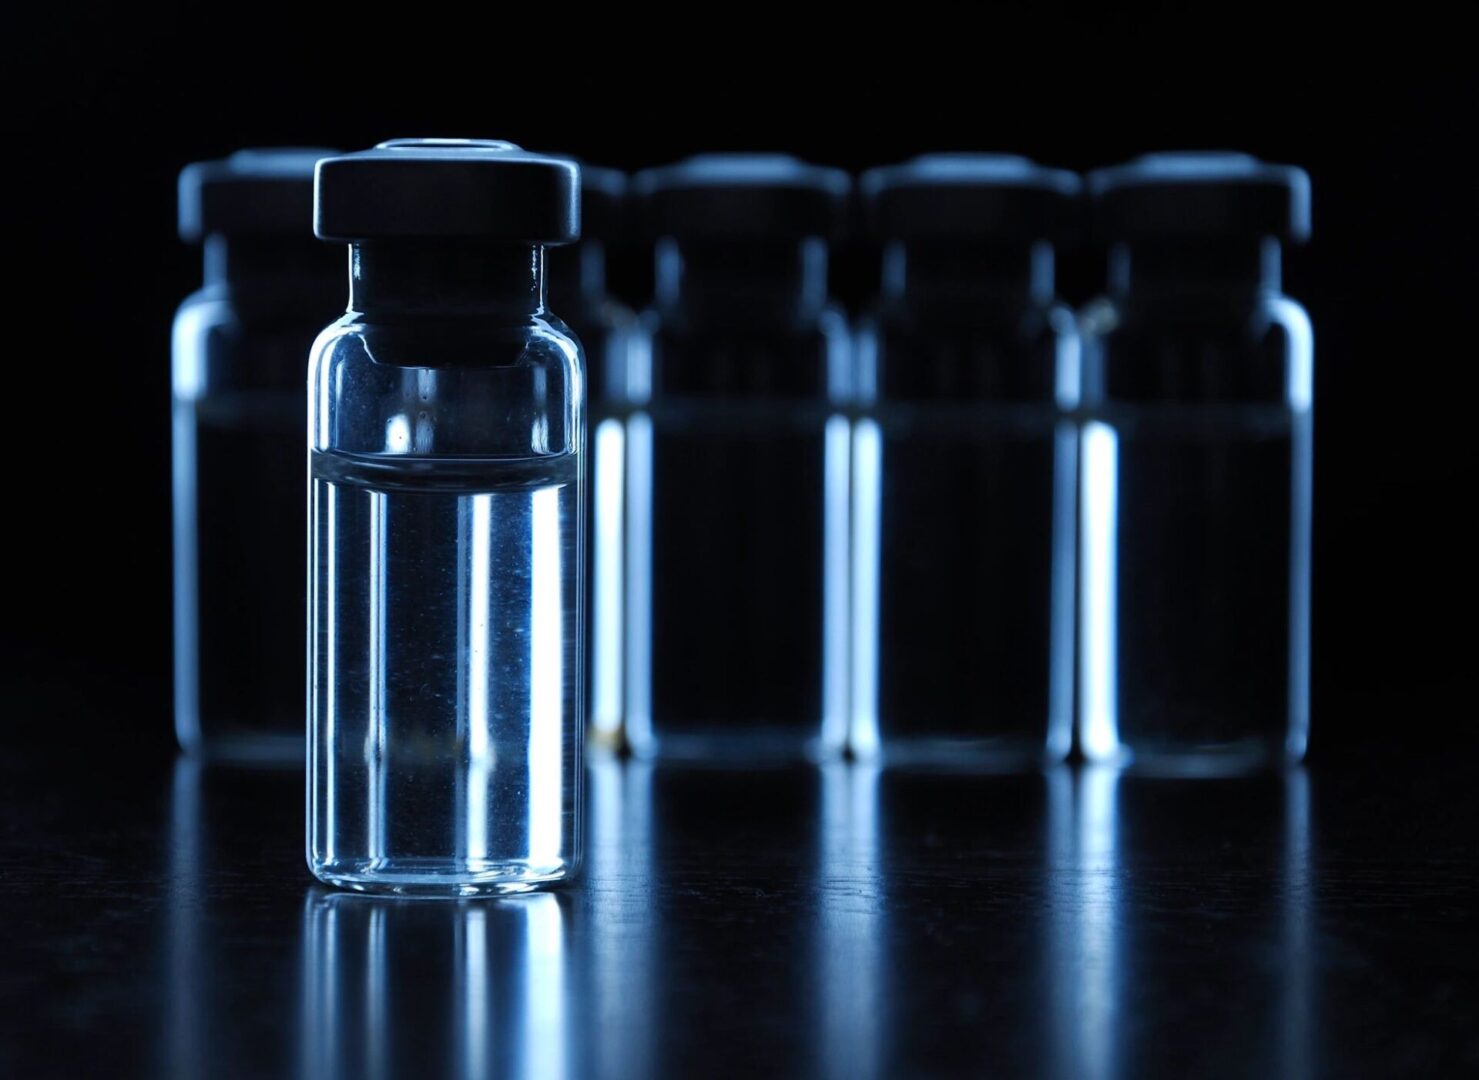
(950,274)
(1225,268)
(446,277)
(576,274)
(756,279)
(282,263)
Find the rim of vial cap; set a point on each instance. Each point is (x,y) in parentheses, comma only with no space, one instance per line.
(603,193)
(474,189)
(262,190)
(952,196)
(1200,193)
(740,196)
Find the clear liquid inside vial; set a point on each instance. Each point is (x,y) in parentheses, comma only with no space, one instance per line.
(444,732)
(1195,565)
(240,520)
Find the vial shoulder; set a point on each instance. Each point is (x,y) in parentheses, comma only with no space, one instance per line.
(540,341)
(1268,321)
(1208,349)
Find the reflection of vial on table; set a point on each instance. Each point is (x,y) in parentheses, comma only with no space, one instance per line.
(446,434)
(577,290)
(239,516)
(738,450)
(963,474)
(1196,470)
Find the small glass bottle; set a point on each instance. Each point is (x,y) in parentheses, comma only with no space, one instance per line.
(1196,470)
(239,513)
(577,290)
(738,458)
(963,469)
(446,431)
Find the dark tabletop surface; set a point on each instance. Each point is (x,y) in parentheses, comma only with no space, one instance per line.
(158,920)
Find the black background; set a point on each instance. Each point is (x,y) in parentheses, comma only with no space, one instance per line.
(101,111)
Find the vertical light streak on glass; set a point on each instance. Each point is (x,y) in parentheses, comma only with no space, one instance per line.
(424,437)
(850,940)
(474,999)
(639,583)
(1100,525)
(1068,366)
(1301,504)
(1098,929)
(378,1018)
(1060,645)
(544,1036)
(546,682)
(867,522)
(460,710)
(1296,1012)
(606,562)
(479,648)
(835,628)
(376,748)
(187,580)
(327,605)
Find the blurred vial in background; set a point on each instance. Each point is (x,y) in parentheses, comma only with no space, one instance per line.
(447,430)
(963,469)
(1196,470)
(738,458)
(240,364)
(577,290)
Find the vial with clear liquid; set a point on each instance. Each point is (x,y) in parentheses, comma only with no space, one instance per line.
(577,290)
(1196,470)
(964,469)
(446,428)
(737,474)
(239,512)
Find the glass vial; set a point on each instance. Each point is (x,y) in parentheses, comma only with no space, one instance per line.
(1196,470)
(239,513)
(738,458)
(446,427)
(577,290)
(963,469)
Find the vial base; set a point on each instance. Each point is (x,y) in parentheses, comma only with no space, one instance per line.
(743,745)
(998,755)
(240,747)
(430,879)
(1237,757)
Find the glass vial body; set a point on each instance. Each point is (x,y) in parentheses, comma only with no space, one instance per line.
(963,508)
(239,348)
(737,531)
(1196,509)
(446,434)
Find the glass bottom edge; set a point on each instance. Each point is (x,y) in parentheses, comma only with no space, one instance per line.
(1236,759)
(497,880)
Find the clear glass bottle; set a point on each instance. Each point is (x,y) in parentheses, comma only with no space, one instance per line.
(446,432)
(738,458)
(577,290)
(1196,470)
(963,469)
(239,513)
